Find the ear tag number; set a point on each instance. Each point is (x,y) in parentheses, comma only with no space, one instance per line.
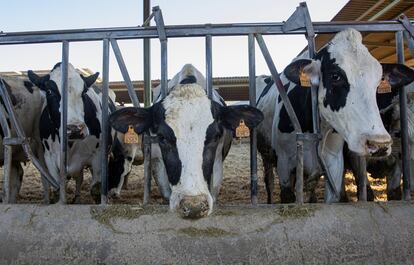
(131,137)
(304,79)
(384,87)
(242,131)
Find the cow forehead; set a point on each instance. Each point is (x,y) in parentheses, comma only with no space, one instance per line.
(188,111)
(75,82)
(354,58)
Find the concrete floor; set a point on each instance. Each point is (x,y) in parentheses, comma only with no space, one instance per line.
(360,233)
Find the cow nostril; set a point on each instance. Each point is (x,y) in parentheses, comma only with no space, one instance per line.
(193,207)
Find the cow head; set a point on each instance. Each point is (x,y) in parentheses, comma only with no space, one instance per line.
(78,86)
(189,127)
(397,76)
(348,76)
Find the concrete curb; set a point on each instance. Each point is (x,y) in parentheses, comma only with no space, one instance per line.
(362,233)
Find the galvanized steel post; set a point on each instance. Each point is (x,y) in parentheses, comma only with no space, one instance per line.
(403,120)
(209,67)
(104,124)
(7,150)
(147,60)
(253,132)
(63,122)
(159,21)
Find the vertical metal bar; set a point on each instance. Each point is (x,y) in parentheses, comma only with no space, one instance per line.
(147,167)
(209,67)
(403,119)
(63,123)
(7,151)
(124,71)
(253,132)
(105,127)
(147,60)
(164,69)
(299,170)
(159,21)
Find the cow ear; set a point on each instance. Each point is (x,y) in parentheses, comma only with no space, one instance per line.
(37,80)
(90,79)
(139,118)
(231,116)
(398,74)
(307,66)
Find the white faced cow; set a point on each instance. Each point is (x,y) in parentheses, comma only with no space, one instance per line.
(348,77)
(27,103)
(194,136)
(397,75)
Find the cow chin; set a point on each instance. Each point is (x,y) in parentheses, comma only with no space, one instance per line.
(191,206)
(375,146)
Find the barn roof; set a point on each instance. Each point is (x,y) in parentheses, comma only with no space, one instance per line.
(381,45)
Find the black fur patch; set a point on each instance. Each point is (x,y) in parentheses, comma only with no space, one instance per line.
(29,86)
(335,81)
(213,134)
(300,99)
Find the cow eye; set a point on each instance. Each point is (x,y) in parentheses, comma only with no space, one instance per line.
(335,77)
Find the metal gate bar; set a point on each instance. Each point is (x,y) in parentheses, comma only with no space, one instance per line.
(253,132)
(104,122)
(63,123)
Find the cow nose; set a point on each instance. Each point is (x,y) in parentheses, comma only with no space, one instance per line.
(76,131)
(379,148)
(190,79)
(193,207)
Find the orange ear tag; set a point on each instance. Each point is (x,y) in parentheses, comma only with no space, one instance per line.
(304,79)
(131,137)
(242,131)
(384,87)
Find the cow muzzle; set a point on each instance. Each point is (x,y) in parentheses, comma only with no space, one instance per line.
(377,148)
(193,207)
(76,132)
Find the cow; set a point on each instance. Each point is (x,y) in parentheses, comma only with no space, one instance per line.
(397,75)
(194,135)
(347,76)
(83,126)
(27,102)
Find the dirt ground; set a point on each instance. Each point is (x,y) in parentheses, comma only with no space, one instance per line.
(235,188)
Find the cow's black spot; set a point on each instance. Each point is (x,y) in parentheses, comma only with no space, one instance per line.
(266,89)
(47,127)
(335,81)
(97,145)
(167,143)
(29,86)
(56,66)
(213,134)
(115,164)
(300,99)
(12,97)
(90,116)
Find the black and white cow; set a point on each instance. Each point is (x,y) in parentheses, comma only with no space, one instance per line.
(397,75)
(27,102)
(348,76)
(194,135)
(84,125)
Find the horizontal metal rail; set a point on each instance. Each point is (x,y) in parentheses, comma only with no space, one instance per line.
(198,30)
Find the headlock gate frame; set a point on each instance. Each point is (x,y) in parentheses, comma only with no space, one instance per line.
(299,23)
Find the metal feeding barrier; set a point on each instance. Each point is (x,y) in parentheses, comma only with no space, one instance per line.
(299,23)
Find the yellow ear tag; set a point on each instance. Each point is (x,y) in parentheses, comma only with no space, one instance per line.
(131,137)
(304,79)
(242,131)
(384,87)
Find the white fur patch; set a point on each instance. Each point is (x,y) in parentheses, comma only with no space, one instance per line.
(187,112)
